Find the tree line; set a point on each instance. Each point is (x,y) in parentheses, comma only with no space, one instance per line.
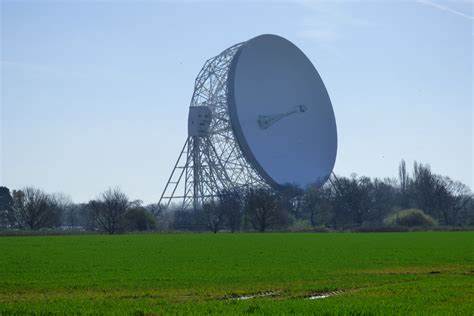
(415,198)
(112,212)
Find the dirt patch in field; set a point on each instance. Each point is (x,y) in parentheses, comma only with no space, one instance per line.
(419,270)
(242,297)
(279,295)
(321,295)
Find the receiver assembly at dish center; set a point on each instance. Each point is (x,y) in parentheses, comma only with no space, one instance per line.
(260,116)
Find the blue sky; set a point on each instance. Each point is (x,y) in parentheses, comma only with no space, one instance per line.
(95,94)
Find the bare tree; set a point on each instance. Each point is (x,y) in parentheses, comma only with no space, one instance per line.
(426,190)
(404,180)
(109,209)
(85,216)
(291,200)
(453,198)
(214,215)
(261,208)
(352,200)
(65,206)
(383,198)
(231,203)
(34,209)
(6,211)
(318,204)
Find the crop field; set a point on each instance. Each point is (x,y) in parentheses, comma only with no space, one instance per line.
(274,273)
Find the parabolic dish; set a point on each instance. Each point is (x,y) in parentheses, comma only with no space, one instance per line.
(281,113)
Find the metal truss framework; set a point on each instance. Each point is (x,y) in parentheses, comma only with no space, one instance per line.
(207,165)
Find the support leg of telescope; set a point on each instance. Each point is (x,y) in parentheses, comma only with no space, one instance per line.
(175,183)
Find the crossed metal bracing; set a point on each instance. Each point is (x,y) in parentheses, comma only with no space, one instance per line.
(207,165)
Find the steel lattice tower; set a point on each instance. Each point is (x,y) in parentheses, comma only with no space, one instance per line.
(210,160)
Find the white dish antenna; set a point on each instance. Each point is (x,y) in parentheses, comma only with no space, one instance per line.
(260,116)
(271,82)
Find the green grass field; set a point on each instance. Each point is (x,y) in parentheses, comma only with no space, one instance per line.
(373,273)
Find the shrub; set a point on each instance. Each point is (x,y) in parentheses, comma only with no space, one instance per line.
(410,218)
(300,226)
(380,229)
(139,219)
(305,226)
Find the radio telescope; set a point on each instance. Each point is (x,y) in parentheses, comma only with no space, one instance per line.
(260,115)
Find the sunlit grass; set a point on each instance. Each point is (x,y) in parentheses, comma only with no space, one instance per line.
(377,273)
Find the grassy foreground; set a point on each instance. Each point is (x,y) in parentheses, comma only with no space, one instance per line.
(374,273)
